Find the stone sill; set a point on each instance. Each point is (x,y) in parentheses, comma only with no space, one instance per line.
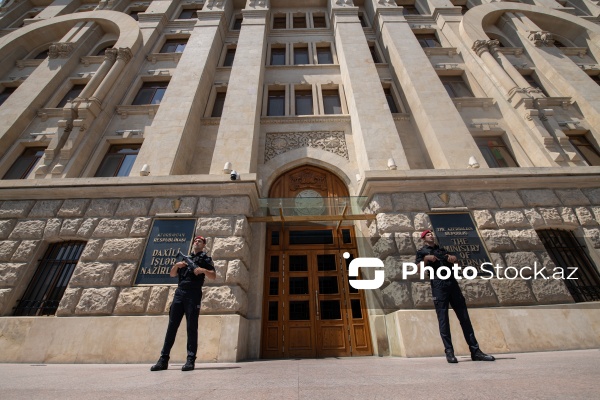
(440,51)
(461,102)
(154,57)
(305,119)
(145,109)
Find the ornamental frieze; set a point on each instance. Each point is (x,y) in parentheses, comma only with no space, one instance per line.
(279,143)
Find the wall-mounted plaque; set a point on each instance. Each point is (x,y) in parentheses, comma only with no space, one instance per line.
(167,238)
(458,234)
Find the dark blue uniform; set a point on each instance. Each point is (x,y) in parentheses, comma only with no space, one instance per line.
(186,300)
(447,292)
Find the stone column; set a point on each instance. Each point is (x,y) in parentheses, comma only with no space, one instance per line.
(123,56)
(170,141)
(445,135)
(92,85)
(482,49)
(237,138)
(376,139)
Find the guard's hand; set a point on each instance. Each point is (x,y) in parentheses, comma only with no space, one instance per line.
(198,271)
(181,264)
(452,258)
(430,257)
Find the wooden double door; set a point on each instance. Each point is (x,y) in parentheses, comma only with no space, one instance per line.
(310,310)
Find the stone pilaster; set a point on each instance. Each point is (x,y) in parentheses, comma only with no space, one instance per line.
(237,138)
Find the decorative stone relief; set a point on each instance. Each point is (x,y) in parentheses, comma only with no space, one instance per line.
(61,50)
(541,38)
(308,179)
(279,143)
(214,4)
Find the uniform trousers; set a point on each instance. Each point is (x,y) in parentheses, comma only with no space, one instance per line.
(447,292)
(185,302)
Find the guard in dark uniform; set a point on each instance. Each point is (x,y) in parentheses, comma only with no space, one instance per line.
(447,292)
(186,300)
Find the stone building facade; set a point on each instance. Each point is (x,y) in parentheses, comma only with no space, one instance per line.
(118,114)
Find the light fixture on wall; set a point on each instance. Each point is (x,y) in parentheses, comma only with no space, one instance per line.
(392,164)
(145,171)
(175,204)
(358,178)
(473,162)
(227,168)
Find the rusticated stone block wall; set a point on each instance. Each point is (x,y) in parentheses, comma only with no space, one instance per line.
(507,221)
(115,231)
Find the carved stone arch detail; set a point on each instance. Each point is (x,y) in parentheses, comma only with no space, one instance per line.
(308,177)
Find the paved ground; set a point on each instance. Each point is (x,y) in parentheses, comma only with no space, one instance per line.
(552,375)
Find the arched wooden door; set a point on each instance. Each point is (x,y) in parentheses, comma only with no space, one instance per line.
(309,309)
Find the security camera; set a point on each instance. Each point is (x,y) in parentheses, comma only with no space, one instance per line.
(234,175)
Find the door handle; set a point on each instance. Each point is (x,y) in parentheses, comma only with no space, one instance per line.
(317,302)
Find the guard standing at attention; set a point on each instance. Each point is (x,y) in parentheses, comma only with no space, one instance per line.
(186,300)
(447,292)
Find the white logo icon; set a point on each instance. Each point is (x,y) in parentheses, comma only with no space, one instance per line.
(365,262)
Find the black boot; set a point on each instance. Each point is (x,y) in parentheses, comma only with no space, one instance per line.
(189,364)
(161,364)
(450,357)
(479,355)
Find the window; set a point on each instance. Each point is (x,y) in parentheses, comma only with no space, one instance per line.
(237,23)
(456,86)
(219,103)
(428,40)
(25,163)
(331,101)
(174,46)
(6,93)
(278,56)
(410,10)
(463,9)
(319,21)
(390,99)
(71,94)
(119,160)
(362,20)
(42,55)
(46,288)
(324,55)
(534,83)
(596,78)
(188,14)
(301,55)
(374,55)
(150,93)
(279,21)
(567,253)
(586,150)
(134,14)
(229,57)
(276,103)
(304,102)
(495,152)
(102,51)
(299,21)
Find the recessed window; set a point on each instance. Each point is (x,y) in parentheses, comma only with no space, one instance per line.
(495,152)
(277,56)
(331,102)
(276,103)
(324,55)
(229,57)
(46,288)
(390,99)
(237,23)
(6,93)
(410,10)
(374,55)
(299,21)
(102,51)
(174,46)
(150,93)
(456,86)
(532,81)
(319,21)
(301,55)
(71,95)
(363,21)
(188,14)
(587,150)
(428,40)
(25,163)
(279,21)
(219,104)
(42,55)
(135,14)
(119,160)
(304,102)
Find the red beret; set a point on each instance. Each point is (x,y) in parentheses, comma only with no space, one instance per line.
(201,238)
(425,232)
